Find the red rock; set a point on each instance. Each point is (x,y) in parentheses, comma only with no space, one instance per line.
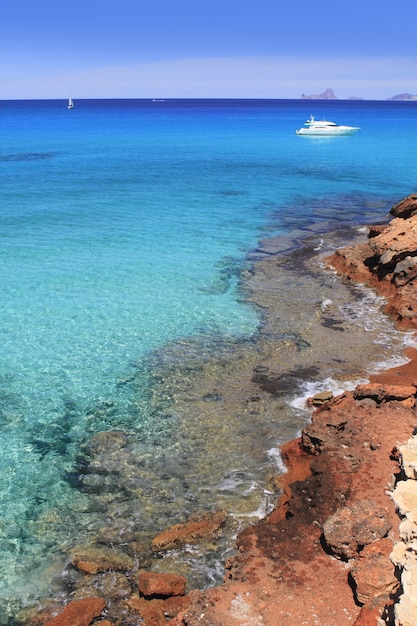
(178,620)
(78,613)
(353,262)
(388,263)
(406,208)
(154,584)
(374,575)
(397,241)
(281,572)
(376,230)
(155,612)
(353,527)
(383,392)
(370,615)
(175,605)
(151,611)
(319,399)
(197,529)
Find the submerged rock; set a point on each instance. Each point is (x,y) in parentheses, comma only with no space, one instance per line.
(198,528)
(92,559)
(78,613)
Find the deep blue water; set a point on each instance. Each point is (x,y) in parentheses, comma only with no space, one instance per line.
(124,226)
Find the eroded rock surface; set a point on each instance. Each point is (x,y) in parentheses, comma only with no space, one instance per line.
(373,575)
(388,262)
(353,527)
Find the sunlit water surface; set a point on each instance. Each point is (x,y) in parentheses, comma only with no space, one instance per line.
(129,230)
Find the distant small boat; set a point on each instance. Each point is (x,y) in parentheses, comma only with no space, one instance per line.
(70,103)
(323,127)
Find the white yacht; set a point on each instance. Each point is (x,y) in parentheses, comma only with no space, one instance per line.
(323,127)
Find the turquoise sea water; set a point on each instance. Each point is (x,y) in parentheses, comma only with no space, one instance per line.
(125,225)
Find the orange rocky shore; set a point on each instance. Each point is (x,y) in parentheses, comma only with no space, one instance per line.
(340,547)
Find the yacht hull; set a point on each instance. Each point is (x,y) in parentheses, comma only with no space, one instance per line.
(341,130)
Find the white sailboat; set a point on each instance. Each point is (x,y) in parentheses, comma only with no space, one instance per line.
(70,103)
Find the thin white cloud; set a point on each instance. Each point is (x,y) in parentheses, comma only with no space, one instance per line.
(254,77)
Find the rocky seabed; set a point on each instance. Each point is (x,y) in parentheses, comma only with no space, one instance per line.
(340,547)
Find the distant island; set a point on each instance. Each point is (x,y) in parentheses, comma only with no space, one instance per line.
(328,94)
(404,96)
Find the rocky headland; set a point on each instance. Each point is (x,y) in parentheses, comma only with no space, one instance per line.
(340,546)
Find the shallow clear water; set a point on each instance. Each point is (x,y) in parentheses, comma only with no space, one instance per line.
(125,229)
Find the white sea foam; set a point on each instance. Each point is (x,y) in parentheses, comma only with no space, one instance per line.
(229,483)
(276,456)
(366,311)
(395,360)
(251,489)
(410,339)
(310,388)
(265,507)
(325,304)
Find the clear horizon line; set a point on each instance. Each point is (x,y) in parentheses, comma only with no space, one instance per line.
(165,98)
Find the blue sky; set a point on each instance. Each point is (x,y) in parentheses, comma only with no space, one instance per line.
(207,48)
